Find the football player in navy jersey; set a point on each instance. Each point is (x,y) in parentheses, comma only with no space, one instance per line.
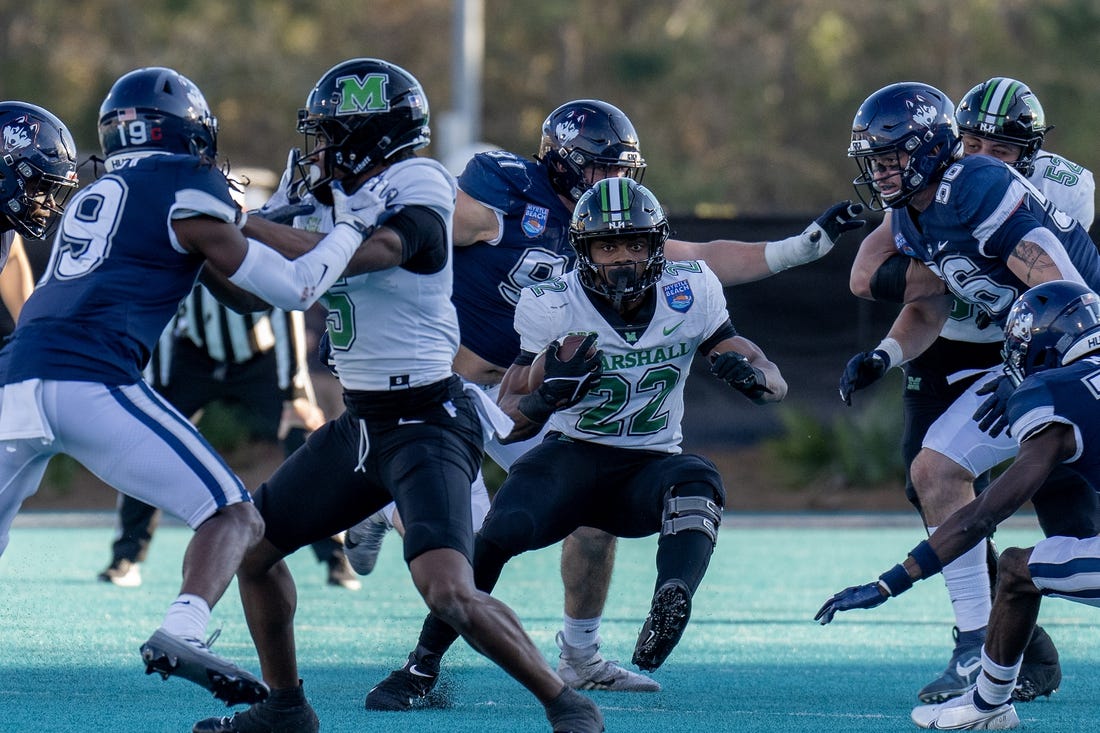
(987,250)
(413,431)
(1002,118)
(598,406)
(511,222)
(128,248)
(1051,345)
(37,176)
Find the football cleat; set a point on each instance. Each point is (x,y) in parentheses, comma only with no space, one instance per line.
(363,542)
(1040,674)
(340,573)
(593,672)
(961,713)
(402,687)
(123,573)
(663,627)
(572,712)
(263,718)
(962,670)
(173,656)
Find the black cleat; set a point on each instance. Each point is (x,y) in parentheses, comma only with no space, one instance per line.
(572,712)
(263,717)
(663,627)
(1040,674)
(402,687)
(173,656)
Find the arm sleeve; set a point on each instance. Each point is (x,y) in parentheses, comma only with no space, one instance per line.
(297,284)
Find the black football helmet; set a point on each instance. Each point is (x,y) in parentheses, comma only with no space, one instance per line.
(360,113)
(911,118)
(619,208)
(159,109)
(1050,325)
(37,168)
(587,132)
(1007,111)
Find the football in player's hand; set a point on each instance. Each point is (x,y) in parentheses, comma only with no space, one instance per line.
(567,349)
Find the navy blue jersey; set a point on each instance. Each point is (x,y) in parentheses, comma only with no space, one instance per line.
(981,211)
(116,275)
(533,247)
(1070,396)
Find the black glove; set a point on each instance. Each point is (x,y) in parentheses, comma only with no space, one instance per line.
(324,352)
(862,371)
(839,218)
(565,383)
(283,214)
(857,596)
(991,414)
(735,370)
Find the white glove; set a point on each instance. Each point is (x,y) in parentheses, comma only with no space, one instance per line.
(364,209)
(816,240)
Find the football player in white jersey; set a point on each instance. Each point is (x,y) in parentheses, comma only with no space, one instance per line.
(412,433)
(1001,118)
(612,457)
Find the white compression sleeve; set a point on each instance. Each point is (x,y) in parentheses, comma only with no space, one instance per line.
(297,284)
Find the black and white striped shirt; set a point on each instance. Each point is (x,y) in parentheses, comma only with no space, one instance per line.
(234,338)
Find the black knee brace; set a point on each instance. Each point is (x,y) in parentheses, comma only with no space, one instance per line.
(691,507)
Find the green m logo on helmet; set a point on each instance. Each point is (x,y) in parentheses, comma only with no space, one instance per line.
(362,94)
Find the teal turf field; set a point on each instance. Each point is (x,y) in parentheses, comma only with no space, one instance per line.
(751,660)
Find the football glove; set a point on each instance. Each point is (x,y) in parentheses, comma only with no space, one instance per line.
(816,240)
(735,370)
(857,596)
(364,209)
(862,371)
(991,414)
(566,382)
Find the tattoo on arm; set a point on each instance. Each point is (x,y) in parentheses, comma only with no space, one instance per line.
(1038,265)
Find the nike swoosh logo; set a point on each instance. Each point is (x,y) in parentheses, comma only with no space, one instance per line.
(669,331)
(404,421)
(965,670)
(414,671)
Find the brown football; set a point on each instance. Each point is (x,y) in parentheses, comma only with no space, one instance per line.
(567,349)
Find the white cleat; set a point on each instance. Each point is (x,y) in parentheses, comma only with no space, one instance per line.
(961,714)
(596,673)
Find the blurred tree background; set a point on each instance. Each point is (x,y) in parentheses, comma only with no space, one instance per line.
(743,106)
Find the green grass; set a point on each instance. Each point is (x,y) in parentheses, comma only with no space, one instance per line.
(752,660)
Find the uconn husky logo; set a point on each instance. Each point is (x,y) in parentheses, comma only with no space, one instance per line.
(1020,328)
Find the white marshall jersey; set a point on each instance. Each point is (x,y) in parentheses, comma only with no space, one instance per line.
(395,329)
(1072,189)
(6,239)
(639,401)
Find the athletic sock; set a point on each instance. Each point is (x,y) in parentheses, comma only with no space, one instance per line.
(967,579)
(582,633)
(995,683)
(187,617)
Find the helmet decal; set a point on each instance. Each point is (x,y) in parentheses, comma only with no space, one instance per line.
(360,94)
(567,130)
(924,114)
(1020,328)
(19,133)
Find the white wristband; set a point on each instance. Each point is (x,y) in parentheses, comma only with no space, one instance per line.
(893,351)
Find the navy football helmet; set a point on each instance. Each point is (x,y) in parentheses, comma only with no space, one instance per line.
(617,208)
(159,109)
(1005,110)
(911,119)
(37,168)
(1050,325)
(360,113)
(587,132)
